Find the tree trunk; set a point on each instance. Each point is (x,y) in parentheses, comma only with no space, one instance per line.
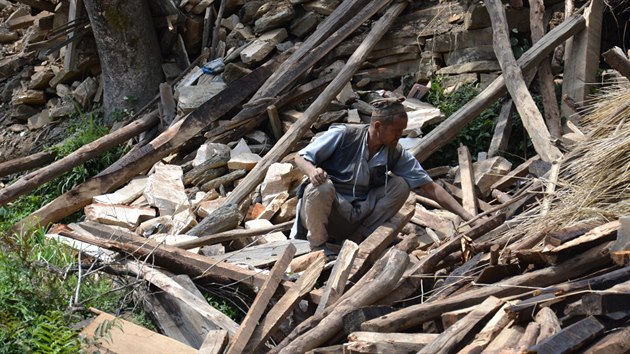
(129,53)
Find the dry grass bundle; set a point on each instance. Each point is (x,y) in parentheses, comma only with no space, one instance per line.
(594,180)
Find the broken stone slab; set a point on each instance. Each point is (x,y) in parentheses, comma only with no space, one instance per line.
(322,7)
(287,211)
(424,114)
(304,24)
(40,80)
(477,17)
(260,48)
(22,112)
(124,195)
(191,97)
(206,207)
(206,151)
(452,83)
(275,18)
(85,92)
(64,77)
(119,215)
(249,10)
(8,36)
(487,172)
(240,148)
(327,118)
(159,225)
(260,223)
(63,91)
(244,161)
(354,117)
(459,39)
(39,120)
(279,178)
(233,72)
(183,221)
(28,97)
(472,67)
(62,110)
(274,206)
(165,189)
(254,211)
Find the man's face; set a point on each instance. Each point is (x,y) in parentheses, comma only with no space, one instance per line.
(390,133)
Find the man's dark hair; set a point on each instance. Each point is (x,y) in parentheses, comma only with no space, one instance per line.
(387,110)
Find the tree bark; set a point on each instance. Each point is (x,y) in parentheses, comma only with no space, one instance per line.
(129,53)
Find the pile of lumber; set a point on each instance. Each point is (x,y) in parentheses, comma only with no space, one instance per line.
(212,196)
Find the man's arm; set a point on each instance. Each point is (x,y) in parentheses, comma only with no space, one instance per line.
(315,174)
(434,191)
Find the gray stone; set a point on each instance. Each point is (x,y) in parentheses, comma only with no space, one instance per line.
(264,45)
(454,40)
(40,80)
(7,36)
(62,110)
(191,97)
(39,120)
(274,18)
(472,67)
(244,161)
(124,195)
(64,91)
(248,10)
(29,97)
(477,17)
(85,92)
(118,215)
(165,189)
(22,112)
(304,25)
(466,55)
(208,150)
(279,178)
(284,46)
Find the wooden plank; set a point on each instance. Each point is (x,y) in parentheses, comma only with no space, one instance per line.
(336,283)
(620,249)
(390,343)
(502,130)
(507,340)
(285,305)
(214,343)
(284,145)
(457,193)
(469,197)
(614,342)
(549,324)
(520,171)
(558,237)
(376,244)
(260,303)
(582,57)
(530,115)
(571,338)
(598,235)
(172,287)
(127,337)
(446,131)
(491,329)
(617,59)
(448,341)
(265,254)
(71,56)
(274,120)
(233,234)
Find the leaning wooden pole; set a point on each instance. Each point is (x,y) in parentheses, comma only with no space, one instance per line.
(86,152)
(525,105)
(449,129)
(284,145)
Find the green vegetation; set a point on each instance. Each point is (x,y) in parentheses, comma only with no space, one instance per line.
(41,292)
(478,133)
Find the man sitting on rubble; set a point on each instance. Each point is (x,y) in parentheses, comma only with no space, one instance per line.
(358,177)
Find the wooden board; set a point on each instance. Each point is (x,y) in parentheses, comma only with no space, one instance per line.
(126,337)
(265,254)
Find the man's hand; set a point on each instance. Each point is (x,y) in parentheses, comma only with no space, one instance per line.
(317,176)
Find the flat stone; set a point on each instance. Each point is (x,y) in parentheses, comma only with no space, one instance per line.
(260,223)
(17,128)
(85,92)
(425,114)
(454,40)
(472,67)
(165,189)
(64,91)
(244,161)
(39,120)
(466,55)
(62,110)
(118,215)
(206,208)
(304,24)
(274,206)
(274,18)
(40,80)
(322,7)
(29,97)
(64,77)
(191,97)
(258,137)
(452,83)
(279,178)
(125,195)
(240,148)
(159,225)
(354,117)
(264,45)
(22,112)
(183,221)
(206,151)
(287,211)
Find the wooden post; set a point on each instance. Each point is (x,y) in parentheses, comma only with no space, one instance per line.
(582,57)
(260,303)
(339,276)
(274,120)
(530,116)
(72,54)
(502,130)
(469,197)
(449,129)
(617,59)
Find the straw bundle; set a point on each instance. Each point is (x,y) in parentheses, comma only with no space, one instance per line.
(594,180)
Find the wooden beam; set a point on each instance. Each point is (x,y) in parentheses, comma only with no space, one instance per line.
(502,130)
(617,59)
(469,197)
(449,340)
(274,120)
(339,275)
(260,303)
(620,249)
(70,58)
(508,180)
(582,57)
(571,338)
(614,342)
(284,145)
(549,324)
(285,305)
(233,234)
(525,105)
(596,236)
(214,343)
(449,129)
(391,343)
(491,329)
